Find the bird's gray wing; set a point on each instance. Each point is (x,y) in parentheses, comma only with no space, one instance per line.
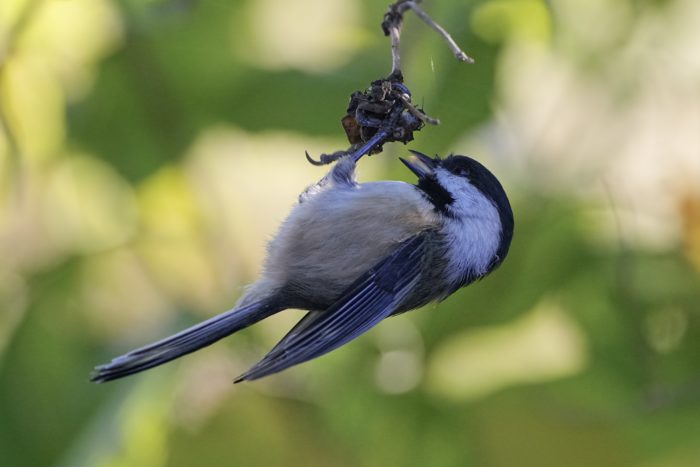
(374,296)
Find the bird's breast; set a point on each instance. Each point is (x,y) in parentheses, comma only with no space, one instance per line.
(328,241)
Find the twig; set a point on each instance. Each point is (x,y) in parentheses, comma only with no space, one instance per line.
(384,113)
(395,34)
(459,53)
(418,113)
(393,20)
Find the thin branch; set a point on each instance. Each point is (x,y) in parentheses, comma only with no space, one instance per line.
(422,116)
(395,33)
(459,53)
(393,20)
(384,113)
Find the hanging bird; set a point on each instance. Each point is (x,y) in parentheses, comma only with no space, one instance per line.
(355,253)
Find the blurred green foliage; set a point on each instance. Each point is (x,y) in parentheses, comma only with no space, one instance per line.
(149,148)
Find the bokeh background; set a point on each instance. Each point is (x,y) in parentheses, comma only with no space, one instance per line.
(149,149)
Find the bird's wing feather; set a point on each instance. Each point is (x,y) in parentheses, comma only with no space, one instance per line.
(374,296)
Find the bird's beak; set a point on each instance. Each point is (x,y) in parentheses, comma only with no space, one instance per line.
(421,165)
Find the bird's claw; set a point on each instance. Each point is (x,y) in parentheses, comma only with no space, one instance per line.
(383,113)
(325,159)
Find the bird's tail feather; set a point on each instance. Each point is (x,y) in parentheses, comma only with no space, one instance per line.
(184,342)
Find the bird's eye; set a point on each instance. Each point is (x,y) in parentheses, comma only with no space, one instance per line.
(461,171)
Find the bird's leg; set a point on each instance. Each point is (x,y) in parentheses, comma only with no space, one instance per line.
(354,152)
(385,131)
(342,173)
(366,148)
(366,121)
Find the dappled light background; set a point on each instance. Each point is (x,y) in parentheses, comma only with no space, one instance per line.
(149,149)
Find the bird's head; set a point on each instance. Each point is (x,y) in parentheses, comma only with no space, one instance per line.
(466,192)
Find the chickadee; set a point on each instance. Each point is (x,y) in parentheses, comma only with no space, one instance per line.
(353,254)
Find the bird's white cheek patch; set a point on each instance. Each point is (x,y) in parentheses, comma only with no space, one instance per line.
(474,233)
(472,244)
